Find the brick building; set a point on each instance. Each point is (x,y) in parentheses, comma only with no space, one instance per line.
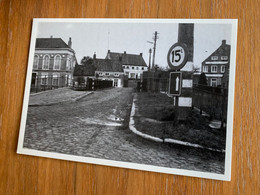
(217,65)
(53,63)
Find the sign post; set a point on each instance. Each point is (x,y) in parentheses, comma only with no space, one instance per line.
(176,58)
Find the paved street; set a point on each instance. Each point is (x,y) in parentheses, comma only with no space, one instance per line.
(97,126)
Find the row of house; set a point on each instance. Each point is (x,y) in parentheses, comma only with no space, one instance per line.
(55,65)
(115,67)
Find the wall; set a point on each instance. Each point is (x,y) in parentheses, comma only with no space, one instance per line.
(22,174)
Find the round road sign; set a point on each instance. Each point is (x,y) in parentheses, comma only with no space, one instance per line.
(177,56)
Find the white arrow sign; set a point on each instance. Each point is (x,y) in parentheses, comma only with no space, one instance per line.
(177,84)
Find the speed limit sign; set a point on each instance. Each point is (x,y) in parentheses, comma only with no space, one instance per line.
(177,56)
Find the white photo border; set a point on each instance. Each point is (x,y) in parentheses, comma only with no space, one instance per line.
(229,129)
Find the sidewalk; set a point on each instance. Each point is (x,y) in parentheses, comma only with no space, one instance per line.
(145,122)
(56,96)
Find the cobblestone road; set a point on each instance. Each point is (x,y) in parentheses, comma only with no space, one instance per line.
(55,96)
(97,126)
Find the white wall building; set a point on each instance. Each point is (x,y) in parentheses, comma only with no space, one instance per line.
(132,64)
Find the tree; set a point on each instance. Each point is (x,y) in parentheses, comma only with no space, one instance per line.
(202,79)
(158,68)
(86,60)
(196,69)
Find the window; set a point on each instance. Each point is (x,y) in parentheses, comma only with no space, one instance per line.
(214,68)
(34,78)
(213,82)
(205,69)
(132,75)
(133,67)
(35,62)
(223,67)
(57,62)
(142,68)
(55,80)
(107,74)
(44,79)
(123,66)
(46,62)
(224,58)
(137,68)
(115,83)
(116,74)
(214,57)
(127,67)
(68,67)
(100,74)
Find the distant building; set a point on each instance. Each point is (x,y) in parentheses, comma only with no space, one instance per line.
(112,70)
(53,63)
(217,65)
(100,69)
(133,65)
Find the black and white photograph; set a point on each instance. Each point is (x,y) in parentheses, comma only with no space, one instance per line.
(147,94)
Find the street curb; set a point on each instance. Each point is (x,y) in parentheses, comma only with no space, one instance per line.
(156,139)
(53,103)
(82,96)
(47,91)
(135,131)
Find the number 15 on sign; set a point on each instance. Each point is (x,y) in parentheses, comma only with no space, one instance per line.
(177,56)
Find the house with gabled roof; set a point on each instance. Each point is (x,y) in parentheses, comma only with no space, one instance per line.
(133,64)
(216,66)
(53,63)
(108,69)
(100,69)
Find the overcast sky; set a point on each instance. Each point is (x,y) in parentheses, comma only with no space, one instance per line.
(88,38)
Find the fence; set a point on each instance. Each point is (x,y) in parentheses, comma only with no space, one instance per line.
(156,81)
(155,84)
(212,100)
(91,84)
(43,83)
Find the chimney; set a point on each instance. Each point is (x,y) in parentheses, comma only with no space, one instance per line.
(141,54)
(94,56)
(51,37)
(124,52)
(69,43)
(108,54)
(223,42)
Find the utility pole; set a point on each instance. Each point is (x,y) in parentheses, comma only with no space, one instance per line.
(150,52)
(154,47)
(108,40)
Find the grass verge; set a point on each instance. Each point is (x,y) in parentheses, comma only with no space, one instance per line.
(155,115)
